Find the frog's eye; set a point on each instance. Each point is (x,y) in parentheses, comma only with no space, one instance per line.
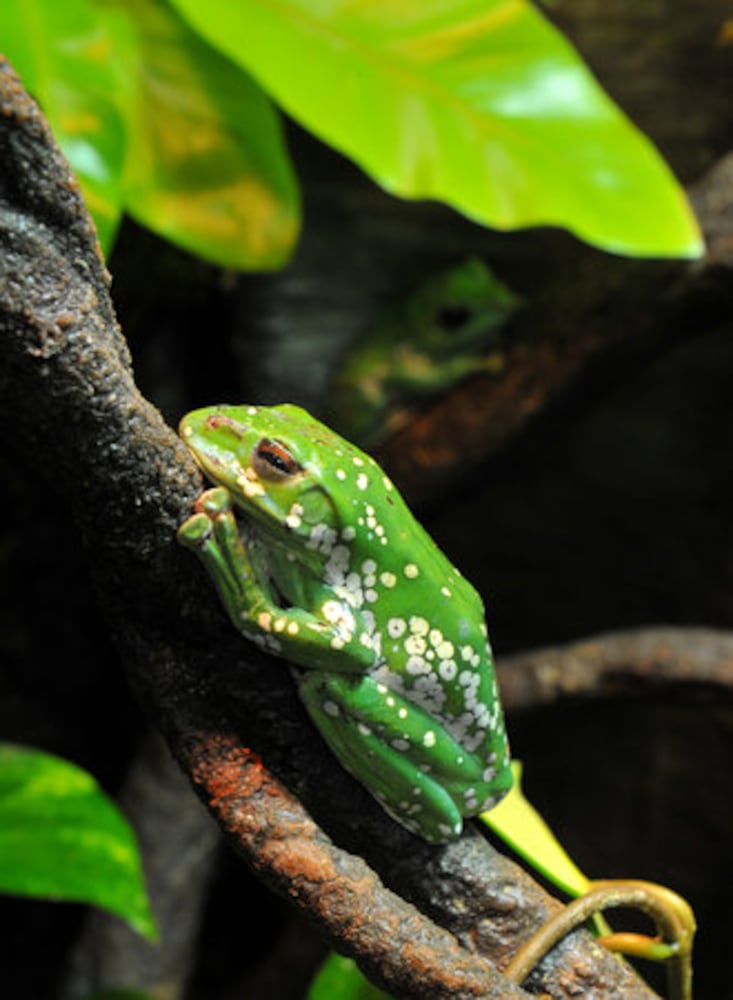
(273,462)
(453,317)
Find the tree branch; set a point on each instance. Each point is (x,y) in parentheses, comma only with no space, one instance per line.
(610,664)
(435,922)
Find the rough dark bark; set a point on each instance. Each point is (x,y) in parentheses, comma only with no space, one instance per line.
(434,922)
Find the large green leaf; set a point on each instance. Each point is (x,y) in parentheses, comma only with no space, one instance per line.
(479,103)
(65,58)
(62,838)
(207,165)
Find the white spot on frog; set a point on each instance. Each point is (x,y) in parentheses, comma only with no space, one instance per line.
(396,627)
(415,645)
(445,650)
(447,669)
(416,665)
(295,516)
(250,488)
(332,611)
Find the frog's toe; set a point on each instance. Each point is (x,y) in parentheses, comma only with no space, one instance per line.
(217,500)
(195,531)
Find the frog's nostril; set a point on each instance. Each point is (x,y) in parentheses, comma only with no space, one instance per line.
(218,420)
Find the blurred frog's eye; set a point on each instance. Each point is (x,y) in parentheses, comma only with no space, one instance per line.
(453,317)
(273,462)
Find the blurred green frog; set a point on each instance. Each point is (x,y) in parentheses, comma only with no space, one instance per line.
(446,329)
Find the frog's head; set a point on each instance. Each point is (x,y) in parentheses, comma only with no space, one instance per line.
(278,462)
(458,309)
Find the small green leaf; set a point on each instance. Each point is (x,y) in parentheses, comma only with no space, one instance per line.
(481,104)
(62,838)
(519,824)
(64,56)
(339,978)
(207,166)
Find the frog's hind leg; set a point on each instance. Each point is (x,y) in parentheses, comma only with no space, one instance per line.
(404,788)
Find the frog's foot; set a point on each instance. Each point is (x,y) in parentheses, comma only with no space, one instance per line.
(213,534)
(672,915)
(411,797)
(197,529)
(419,773)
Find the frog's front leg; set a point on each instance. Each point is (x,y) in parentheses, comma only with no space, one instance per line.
(421,775)
(336,640)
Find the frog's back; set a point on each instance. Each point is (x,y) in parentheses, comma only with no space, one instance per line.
(425,620)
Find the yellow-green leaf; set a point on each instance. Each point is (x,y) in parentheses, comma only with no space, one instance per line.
(519,824)
(207,165)
(482,104)
(65,58)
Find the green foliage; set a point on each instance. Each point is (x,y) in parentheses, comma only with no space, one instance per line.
(339,978)
(157,124)
(478,103)
(64,55)
(481,104)
(207,166)
(61,838)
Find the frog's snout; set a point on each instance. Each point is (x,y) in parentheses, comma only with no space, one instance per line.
(219,421)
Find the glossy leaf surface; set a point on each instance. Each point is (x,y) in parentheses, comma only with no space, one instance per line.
(207,165)
(481,104)
(519,824)
(67,60)
(62,838)
(158,124)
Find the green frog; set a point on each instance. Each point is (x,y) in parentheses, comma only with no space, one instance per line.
(444,331)
(329,570)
